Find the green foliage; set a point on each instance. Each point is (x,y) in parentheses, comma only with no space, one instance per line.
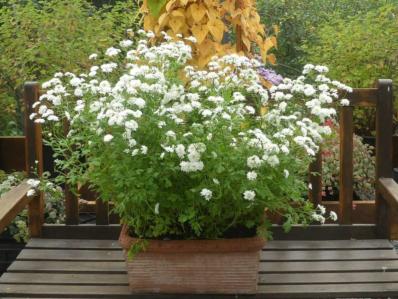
(299,22)
(37,38)
(360,50)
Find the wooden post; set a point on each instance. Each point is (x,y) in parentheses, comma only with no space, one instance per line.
(33,153)
(102,212)
(346,165)
(387,224)
(315,194)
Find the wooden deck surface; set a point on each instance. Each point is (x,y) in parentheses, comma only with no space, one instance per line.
(49,268)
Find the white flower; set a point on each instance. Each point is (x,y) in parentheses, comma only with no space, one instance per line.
(215,181)
(112,51)
(344,102)
(33,183)
(93,56)
(254,162)
(286,173)
(31,192)
(322,209)
(333,216)
(206,193)
(318,218)
(126,43)
(180,150)
(191,166)
(108,138)
(157,208)
(249,195)
(251,175)
(144,149)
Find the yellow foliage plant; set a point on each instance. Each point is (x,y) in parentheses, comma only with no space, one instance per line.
(209,21)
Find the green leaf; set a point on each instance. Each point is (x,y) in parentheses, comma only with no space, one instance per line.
(155,6)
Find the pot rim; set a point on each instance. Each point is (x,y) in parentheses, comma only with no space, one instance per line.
(249,244)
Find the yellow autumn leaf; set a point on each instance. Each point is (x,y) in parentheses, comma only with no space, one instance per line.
(176,24)
(149,22)
(247,43)
(198,11)
(178,13)
(274,41)
(216,28)
(163,19)
(200,32)
(271,58)
(171,5)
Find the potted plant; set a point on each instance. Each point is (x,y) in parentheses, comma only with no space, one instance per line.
(191,158)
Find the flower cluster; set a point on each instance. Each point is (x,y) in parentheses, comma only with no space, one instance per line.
(184,151)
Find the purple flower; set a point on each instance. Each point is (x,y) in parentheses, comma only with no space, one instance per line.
(270,75)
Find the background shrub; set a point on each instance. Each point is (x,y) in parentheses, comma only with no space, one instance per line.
(360,50)
(39,37)
(300,20)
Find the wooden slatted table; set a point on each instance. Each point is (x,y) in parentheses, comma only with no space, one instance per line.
(49,268)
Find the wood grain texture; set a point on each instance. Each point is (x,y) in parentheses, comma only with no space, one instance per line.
(346,181)
(64,279)
(359,269)
(361,97)
(384,123)
(315,176)
(33,154)
(12,203)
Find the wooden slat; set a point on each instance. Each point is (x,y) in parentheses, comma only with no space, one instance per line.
(82,231)
(329,266)
(328,245)
(363,211)
(57,290)
(71,255)
(388,189)
(73,244)
(362,97)
(328,255)
(346,188)
(366,290)
(33,153)
(384,123)
(326,232)
(12,153)
(12,203)
(68,267)
(64,279)
(309,278)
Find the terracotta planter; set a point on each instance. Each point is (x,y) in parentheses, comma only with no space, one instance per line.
(225,266)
